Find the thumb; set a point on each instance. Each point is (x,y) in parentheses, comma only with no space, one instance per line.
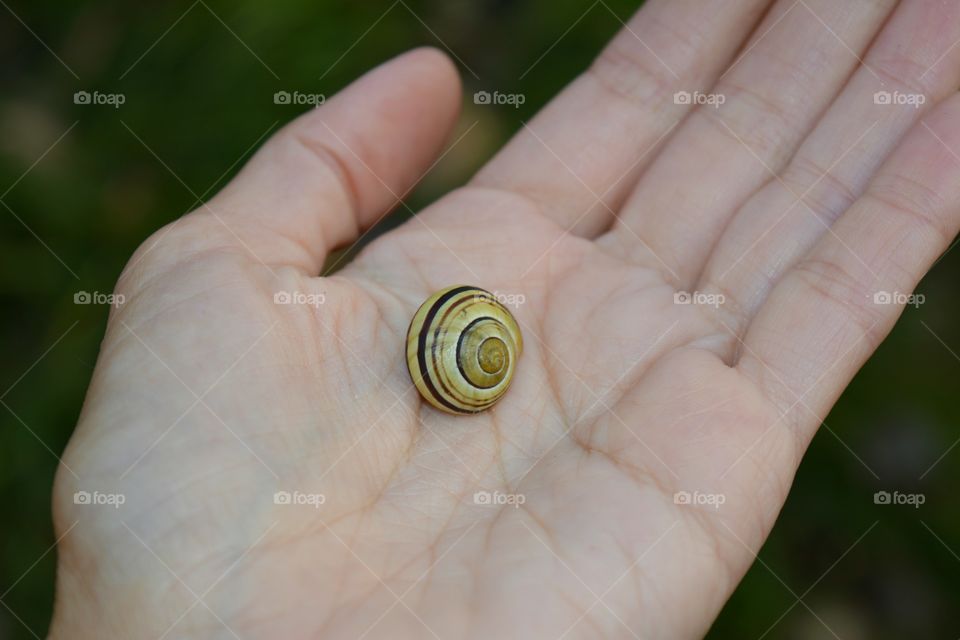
(332,172)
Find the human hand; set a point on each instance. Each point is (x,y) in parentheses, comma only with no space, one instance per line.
(793,202)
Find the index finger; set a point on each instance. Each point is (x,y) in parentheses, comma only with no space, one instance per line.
(579,157)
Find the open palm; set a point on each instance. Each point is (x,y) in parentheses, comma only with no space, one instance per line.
(696,281)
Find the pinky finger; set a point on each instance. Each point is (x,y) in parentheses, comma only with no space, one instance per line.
(831,311)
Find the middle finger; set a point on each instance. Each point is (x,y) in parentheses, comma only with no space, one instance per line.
(792,69)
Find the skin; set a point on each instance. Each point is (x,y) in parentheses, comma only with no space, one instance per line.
(208,397)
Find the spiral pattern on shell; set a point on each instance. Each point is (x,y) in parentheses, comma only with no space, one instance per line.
(462,349)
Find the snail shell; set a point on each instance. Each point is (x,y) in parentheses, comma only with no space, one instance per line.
(462,349)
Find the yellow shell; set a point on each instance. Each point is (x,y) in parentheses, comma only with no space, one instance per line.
(462,349)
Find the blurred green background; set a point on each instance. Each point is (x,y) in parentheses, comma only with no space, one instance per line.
(80,192)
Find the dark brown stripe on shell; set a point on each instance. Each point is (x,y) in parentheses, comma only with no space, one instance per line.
(422,347)
(440,324)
